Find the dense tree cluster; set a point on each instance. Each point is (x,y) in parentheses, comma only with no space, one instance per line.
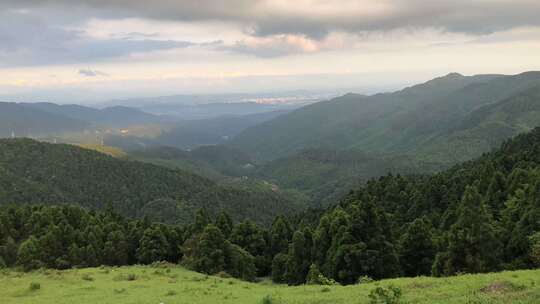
(33,172)
(477,217)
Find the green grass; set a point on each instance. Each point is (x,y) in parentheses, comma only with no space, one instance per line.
(139,284)
(112,151)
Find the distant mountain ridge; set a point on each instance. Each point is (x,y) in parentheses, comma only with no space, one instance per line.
(18,120)
(205,106)
(40,119)
(113,116)
(413,121)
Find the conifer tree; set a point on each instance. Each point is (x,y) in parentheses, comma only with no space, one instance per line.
(224,223)
(472,241)
(417,248)
(153,246)
(299,257)
(210,254)
(29,254)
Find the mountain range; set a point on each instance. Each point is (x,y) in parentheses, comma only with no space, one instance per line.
(442,120)
(41,119)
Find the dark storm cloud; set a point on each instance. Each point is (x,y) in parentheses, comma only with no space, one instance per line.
(466,16)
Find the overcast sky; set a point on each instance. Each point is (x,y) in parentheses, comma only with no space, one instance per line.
(90,50)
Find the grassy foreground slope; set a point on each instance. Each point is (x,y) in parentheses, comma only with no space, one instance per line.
(140,284)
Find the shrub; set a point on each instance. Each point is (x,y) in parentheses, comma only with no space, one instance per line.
(267,300)
(535,248)
(315,277)
(365,280)
(126,277)
(34,286)
(325,289)
(87,277)
(381,295)
(223,274)
(272,299)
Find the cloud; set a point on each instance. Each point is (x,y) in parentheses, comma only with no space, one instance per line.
(27,40)
(288,44)
(262,28)
(317,18)
(92,73)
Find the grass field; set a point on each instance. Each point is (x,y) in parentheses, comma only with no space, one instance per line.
(112,151)
(175,285)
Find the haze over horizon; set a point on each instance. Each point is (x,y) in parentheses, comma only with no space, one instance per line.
(91,50)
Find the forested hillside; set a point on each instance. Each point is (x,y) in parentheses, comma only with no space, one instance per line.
(35,172)
(325,176)
(216,162)
(430,121)
(480,216)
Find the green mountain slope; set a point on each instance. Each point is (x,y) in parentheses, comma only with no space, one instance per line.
(479,216)
(487,127)
(404,122)
(325,176)
(215,162)
(218,130)
(34,172)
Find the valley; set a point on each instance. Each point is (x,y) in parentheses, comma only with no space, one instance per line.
(270,152)
(436,195)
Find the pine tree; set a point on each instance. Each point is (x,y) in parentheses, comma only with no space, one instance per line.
(299,257)
(417,249)
(210,253)
(280,235)
(202,219)
(153,246)
(29,254)
(472,242)
(224,223)
(116,249)
(8,252)
(251,238)
(239,263)
(279,268)
(322,240)
(496,193)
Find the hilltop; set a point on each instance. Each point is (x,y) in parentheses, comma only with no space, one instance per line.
(36,172)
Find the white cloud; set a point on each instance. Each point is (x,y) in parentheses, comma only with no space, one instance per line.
(181,45)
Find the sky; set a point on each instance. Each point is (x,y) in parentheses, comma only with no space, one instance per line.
(93,50)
